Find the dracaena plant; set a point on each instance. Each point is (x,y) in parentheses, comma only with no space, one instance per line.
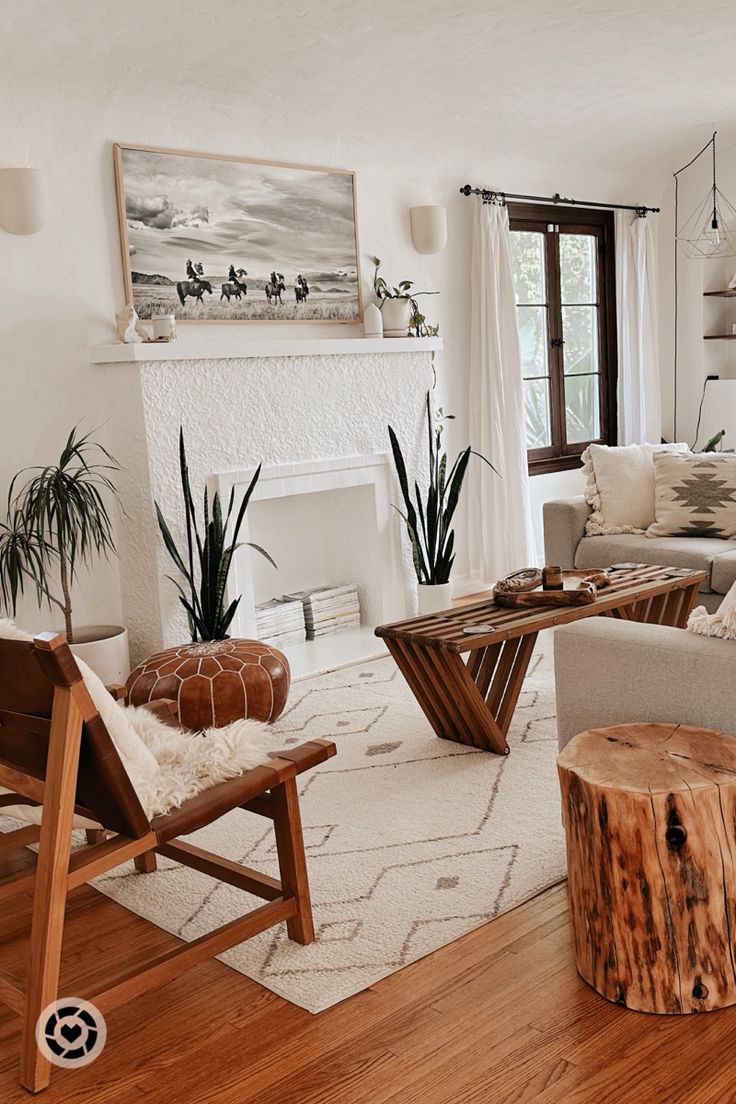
(56,520)
(205,564)
(428,517)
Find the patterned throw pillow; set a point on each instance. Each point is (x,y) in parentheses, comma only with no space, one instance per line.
(619,487)
(695,495)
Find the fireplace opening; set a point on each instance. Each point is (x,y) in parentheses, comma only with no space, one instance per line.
(331,526)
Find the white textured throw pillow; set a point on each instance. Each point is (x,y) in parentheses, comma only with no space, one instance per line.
(695,495)
(620,487)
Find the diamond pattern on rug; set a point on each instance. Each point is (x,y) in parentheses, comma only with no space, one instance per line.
(411,840)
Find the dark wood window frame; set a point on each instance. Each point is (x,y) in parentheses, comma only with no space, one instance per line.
(561,456)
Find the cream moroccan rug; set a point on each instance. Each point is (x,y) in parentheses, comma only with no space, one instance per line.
(411,840)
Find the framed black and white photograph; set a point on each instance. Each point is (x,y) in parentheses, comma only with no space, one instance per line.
(211,238)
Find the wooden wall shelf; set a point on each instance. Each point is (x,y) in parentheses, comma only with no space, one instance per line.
(728,293)
(719,337)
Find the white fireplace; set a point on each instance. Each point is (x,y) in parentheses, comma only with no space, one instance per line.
(315,413)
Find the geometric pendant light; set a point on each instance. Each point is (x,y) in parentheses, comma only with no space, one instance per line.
(710,231)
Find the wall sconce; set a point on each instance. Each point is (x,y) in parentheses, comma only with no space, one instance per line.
(22,200)
(428,228)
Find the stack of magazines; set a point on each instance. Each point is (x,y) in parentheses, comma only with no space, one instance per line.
(329,609)
(281,622)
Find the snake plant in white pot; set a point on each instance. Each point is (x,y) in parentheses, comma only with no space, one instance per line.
(428,517)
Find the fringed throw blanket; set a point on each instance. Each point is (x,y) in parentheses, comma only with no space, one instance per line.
(721,623)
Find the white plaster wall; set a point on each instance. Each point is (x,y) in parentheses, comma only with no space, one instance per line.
(565,484)
(65,283)
(697,316)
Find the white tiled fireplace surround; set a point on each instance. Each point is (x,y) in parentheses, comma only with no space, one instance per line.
(314,413)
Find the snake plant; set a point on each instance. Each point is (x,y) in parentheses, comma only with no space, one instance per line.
(205,565)
(428,518)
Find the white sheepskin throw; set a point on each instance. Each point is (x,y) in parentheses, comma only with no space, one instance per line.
(721,623)
(166,765)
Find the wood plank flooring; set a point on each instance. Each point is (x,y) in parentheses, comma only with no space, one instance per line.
(498,1017)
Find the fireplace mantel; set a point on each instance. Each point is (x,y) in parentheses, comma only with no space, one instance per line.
(245,349)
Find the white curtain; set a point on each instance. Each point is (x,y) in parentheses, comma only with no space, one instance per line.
(639,399)
(501,535)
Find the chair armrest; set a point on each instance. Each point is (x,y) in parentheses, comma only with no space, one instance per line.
(564,528)
(307,755)
(165,709)
(118,691)
(617,672)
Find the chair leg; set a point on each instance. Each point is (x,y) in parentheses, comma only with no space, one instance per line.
(145,863)
(287,824)
(49,901)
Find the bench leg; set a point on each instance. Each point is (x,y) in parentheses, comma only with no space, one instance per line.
(287,824)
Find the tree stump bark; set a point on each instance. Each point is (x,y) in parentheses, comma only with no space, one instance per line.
(650,821)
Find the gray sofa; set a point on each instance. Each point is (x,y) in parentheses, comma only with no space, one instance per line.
(566,545)
(619,672)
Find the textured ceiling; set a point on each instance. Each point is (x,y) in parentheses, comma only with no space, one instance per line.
(622,85)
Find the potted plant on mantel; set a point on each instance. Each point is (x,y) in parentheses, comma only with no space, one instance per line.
(214,679)
(57,520)
(399,308)
(428,520)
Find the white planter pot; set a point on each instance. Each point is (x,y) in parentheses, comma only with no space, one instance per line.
(104,648)
(396,314)
(434,597)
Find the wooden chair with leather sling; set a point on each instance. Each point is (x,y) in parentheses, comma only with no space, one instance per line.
(56,751)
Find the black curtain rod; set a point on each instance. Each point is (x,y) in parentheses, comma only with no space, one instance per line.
(494,193)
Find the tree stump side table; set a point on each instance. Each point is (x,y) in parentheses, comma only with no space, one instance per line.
(650,822)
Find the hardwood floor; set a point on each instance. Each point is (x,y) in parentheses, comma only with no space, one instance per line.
(499,1016)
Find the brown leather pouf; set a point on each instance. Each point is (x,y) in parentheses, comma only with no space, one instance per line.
(215,682)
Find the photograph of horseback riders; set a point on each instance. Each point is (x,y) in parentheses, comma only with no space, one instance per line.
(227,239)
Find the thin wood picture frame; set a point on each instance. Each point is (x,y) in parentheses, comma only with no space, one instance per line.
(224,238)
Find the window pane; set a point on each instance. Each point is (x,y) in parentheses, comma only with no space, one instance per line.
(527,258)
(582,408)
(577,268)
(536,401)
(532,322)
(580,333)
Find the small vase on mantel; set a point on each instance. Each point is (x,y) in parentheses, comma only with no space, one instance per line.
(434,597)
(372,321)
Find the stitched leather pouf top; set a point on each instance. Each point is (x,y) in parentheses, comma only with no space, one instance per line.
(215,682)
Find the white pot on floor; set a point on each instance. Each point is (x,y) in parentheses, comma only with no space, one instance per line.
(434,597)
(104,648)
(396,314)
